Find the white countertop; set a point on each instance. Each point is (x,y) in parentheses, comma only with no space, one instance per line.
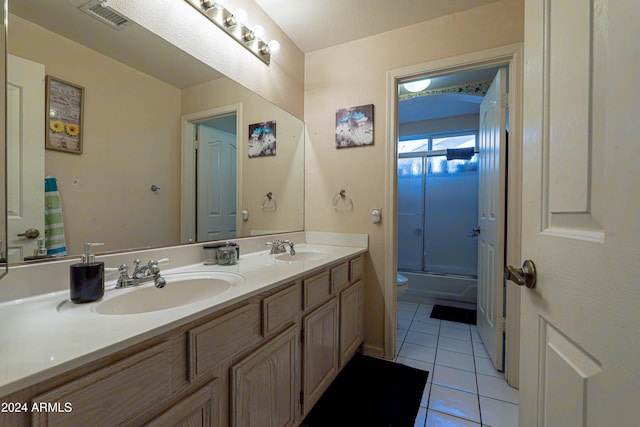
(39,341)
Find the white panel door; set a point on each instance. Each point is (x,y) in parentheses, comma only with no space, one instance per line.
(491,217)
(580,325)
(25,154)
(216,196)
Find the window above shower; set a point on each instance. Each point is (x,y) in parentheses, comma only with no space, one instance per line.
(436,143)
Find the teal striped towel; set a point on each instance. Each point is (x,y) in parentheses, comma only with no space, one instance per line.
(53,225)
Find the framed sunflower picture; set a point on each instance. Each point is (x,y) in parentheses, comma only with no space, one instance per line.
(65,102)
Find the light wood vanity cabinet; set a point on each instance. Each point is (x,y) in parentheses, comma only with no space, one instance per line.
(333,332)
(264,361)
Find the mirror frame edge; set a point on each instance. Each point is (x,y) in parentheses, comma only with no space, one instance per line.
(4,268)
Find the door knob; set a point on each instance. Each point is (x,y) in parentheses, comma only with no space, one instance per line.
(525,276)
(31,233)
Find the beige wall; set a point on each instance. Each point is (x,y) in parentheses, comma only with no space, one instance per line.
(282,174)
(354,74)
(179,23)
(131,139)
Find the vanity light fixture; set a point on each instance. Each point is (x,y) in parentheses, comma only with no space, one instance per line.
(235,25)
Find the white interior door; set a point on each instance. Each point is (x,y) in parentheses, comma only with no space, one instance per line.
(491,218)
(25,154)
(580,326)
(216,195)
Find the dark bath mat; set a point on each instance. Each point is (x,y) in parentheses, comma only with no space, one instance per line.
(454,314)
(370,392)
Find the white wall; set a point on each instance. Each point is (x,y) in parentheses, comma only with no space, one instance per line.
(354,74)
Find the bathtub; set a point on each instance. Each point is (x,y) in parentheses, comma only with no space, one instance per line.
(425,287)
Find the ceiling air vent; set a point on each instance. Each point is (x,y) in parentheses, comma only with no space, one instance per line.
(100,10)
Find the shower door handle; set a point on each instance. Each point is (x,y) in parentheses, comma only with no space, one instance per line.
(525,276)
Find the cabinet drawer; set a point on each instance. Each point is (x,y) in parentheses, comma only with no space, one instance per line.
(356,268)
(280,308)
(339,278)
(113,395)
(221,338)
(317,289)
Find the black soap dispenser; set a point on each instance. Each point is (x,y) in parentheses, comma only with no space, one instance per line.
(87,277)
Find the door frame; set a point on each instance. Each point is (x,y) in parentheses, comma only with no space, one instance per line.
(188,166)
(510,56)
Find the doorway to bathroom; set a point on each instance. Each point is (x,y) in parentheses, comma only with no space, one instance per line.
(438,185)
(490,298)
(451,179)
(451,195)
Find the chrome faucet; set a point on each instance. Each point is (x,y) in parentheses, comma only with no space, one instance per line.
(279,247)
(141,275)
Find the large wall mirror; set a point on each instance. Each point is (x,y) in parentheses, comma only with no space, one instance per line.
(3,149)
(141,144)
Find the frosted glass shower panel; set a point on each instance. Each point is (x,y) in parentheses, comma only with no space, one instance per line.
(451,214)
(410,213)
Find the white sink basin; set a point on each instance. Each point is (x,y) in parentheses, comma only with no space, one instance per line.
(181,289)
(303,255)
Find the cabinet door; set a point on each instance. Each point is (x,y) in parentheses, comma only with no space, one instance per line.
(320,351)
(351,321)
(265,385)
(197,410)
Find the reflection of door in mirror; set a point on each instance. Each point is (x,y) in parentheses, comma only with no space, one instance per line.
(216,178)
(25,155)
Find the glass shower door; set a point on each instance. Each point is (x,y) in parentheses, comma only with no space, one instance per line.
(451,214)
(437,212)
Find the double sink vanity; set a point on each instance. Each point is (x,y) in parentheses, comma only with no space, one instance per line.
(252,343)
(218,345)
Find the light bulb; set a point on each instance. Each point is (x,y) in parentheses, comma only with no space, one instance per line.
(258,31)
(274,47)
(418,85)
(220,4)
(241,16)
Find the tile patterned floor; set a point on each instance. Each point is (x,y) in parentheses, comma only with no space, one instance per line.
(464,389)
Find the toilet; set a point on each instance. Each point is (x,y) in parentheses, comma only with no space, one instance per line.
(403,284)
